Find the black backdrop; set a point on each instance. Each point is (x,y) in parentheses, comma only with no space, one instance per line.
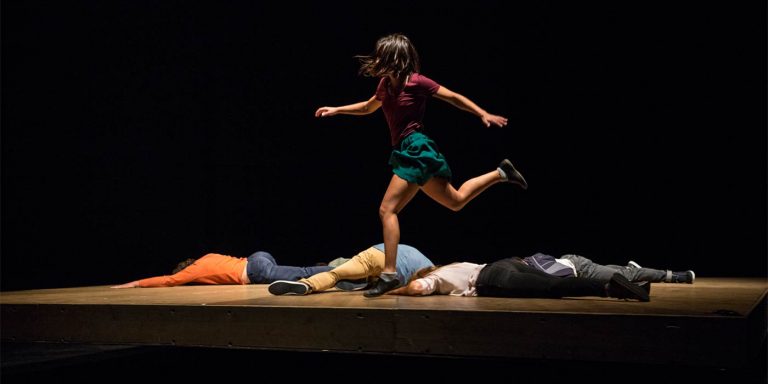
(139,133)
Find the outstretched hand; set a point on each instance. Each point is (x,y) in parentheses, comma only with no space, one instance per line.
(326,111)
(132,284)
(499,121)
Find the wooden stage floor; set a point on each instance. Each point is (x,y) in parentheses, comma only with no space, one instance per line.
(717,322)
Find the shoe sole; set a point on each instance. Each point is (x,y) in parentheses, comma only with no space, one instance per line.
(634,265)
(633,288)
(693,277)
(523,184)
(370,294)
(285,287)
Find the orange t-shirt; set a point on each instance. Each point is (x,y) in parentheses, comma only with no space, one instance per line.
(209,269)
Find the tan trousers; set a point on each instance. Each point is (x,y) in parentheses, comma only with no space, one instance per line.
(366,263)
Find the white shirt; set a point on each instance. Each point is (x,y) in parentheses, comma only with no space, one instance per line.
(457,279)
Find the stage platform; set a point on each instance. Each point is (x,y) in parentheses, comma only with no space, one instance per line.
(717,322)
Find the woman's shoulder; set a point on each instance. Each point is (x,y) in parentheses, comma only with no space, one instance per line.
(419,80)
(418,77)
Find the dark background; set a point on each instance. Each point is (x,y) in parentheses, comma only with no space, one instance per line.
(139,133)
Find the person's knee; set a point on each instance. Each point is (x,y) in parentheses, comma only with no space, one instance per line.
(455,206)
(385,211)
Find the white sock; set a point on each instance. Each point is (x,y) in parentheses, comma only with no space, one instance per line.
(388,276)
(502,174)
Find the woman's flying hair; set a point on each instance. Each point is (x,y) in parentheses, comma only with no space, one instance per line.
(394,55)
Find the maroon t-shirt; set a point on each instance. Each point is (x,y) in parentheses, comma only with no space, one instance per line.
(404,110)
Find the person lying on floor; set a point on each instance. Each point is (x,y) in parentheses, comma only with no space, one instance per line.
(575,265)
(571,265)
(512,278)
(355,273)
(214,268)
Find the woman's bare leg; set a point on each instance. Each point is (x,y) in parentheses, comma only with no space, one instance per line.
(398,194)
(440,190)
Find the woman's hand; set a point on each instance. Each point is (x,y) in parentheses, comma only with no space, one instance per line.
(132,284)
(488,120)
(326,111)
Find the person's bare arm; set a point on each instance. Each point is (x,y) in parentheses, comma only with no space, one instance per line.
(361,108)
(462,102)
(186,275)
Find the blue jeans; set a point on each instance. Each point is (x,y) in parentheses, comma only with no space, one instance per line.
(587,268)
(263,269)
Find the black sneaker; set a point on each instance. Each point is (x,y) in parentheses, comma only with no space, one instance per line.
(645,285)
(513,176)
(352,285)
(686,277)
(287,287)
(381,287)
(621,288)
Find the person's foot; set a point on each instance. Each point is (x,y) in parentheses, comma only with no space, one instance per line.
(687,277)
(510,175)
(645,285)
(381,287)
(287,287)
(352,285)
(621,288)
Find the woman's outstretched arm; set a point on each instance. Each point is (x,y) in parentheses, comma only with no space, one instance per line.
(462,102)
(361,108)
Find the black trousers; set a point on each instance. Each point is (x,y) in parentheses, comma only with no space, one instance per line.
(513,278)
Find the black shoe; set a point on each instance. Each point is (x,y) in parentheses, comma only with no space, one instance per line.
(287,287)
(381,287)
(686,277)
(352,285)
(513,176)
(620,288)
(645,285)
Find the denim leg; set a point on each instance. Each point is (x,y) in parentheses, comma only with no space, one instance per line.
(589,269)
(261,270)
(646,274)
(264,254)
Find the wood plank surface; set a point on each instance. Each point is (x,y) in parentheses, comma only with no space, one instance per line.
(715,322)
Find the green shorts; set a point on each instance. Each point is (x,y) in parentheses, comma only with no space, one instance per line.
(418,160)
